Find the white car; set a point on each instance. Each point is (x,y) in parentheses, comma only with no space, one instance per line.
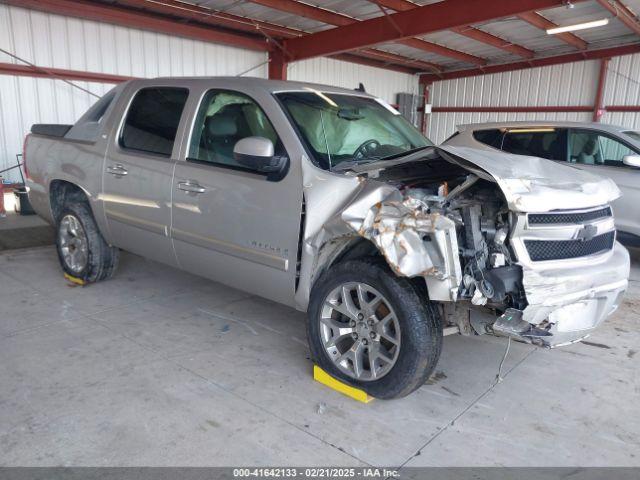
(608,150)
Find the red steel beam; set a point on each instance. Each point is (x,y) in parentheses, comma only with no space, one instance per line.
(547,109)
(341,20)
(542,23)
(200,14)
(598,108)
(145,21)
(467,31)
(441,50)
(623,13)
(536,62)
(622,108)
(209,16)
(371,62)
(497,42)
(308,11)
(393,59)
(277,65)
(418,21)
(196,13)
(47,72)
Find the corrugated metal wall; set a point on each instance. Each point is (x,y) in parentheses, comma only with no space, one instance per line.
(61,42)
(559,85)
(623,88)
(382,83)
(569,84)
(70,43)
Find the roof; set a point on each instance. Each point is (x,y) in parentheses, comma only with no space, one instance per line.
(254,82)
(556,124)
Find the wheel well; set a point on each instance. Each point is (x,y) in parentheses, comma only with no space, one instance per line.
(342,249)
(62,192)
(357,248)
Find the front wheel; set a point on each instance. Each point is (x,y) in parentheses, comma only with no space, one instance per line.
(372,329)
(82,250)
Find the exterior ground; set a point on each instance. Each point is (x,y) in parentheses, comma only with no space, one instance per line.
(159,367)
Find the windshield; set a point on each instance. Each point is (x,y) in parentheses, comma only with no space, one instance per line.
(339,128)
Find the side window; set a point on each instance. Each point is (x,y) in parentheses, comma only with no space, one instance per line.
(593,148)
(492,137)
(223,119)
(152,120)
(549,143)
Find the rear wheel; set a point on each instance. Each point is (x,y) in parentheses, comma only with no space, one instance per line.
(82,251)
(372,329)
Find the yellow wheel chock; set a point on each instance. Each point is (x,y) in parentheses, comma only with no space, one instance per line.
(319,375)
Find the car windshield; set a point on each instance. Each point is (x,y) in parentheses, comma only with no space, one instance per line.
(349,129)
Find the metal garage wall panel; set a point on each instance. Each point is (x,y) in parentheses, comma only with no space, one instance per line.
(70,43)
(382,83)
(623,88)
(569,84)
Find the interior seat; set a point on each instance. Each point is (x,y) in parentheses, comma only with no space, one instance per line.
(220,136)
(590,154)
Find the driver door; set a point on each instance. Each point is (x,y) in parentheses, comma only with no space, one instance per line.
(232,224)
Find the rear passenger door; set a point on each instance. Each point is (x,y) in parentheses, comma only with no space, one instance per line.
(139,170)
(230,223)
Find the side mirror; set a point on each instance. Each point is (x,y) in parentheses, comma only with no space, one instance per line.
(256,153)
(631,160)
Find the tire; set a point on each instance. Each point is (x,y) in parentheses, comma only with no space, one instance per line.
(417,329)
(99,260)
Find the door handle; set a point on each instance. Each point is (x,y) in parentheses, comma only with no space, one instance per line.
(191,187)
(117,170)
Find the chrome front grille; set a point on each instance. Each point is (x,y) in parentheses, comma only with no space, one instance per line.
(563,235)
(541,250)
(554,218)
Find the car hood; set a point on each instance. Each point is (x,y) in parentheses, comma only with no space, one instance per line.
(532,184)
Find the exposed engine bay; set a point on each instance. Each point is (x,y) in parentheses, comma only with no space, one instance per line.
(459,209)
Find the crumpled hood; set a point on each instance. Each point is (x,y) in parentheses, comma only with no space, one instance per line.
(532,184)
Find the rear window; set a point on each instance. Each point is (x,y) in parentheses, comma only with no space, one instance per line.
(152,120)
(492,137)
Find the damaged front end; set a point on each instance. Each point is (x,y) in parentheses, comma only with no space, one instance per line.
(492,252)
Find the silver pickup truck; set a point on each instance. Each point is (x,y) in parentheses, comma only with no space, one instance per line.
(327,200)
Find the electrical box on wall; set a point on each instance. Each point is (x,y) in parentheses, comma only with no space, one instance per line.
(408,107)
(427,108)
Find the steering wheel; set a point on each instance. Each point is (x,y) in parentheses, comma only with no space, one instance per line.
(366,149)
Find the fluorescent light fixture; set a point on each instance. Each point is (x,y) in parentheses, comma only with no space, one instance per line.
(578,26)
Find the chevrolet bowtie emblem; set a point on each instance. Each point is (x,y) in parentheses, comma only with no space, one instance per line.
(587,233)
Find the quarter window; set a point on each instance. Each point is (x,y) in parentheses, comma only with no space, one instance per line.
(225,118)
(152,120)
(593,148)
(492,137)
(546,143)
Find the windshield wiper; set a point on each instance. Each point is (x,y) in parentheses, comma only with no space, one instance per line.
(402,154)
(347,165)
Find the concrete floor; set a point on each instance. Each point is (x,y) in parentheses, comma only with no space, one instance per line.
(158,367)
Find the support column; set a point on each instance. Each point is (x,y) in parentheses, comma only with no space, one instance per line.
(277,65)
(425,102)
(599,109)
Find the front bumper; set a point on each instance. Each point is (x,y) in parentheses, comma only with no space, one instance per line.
(569,303)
